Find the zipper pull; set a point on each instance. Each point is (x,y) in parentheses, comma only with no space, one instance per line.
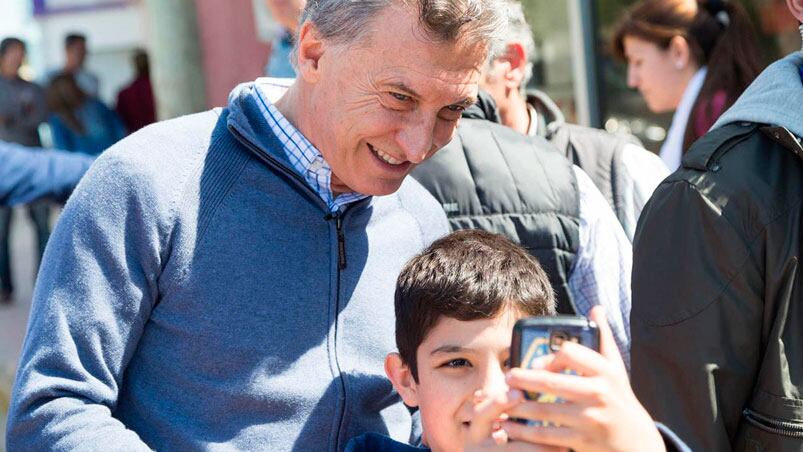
(341,238)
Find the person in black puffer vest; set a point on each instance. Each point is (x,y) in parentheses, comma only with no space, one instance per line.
(493,178)
(619,166)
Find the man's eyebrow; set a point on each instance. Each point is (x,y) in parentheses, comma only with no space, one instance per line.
(449,348)
(466,102)
(405,89)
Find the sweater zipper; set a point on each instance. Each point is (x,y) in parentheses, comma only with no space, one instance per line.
(341,238)
(341,248)
(337,216)
(773,425)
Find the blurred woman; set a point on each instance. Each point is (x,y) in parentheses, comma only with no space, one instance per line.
(693,57)
(80,123)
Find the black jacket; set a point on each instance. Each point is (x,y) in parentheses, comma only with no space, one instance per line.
(717,318)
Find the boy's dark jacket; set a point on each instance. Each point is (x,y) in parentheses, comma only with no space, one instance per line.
(717,319)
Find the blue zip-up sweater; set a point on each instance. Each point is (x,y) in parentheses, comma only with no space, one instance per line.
(196,296)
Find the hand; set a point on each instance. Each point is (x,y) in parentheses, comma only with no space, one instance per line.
(484,434)
(600,411)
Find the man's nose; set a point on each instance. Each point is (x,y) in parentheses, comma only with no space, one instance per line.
(417,138)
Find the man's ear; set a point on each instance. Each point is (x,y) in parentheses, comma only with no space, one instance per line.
(796,8)
(516,58)
(679,52)
(310,50)
(402,379)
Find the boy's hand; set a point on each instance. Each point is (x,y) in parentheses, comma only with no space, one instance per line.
(485,434)
(600,411)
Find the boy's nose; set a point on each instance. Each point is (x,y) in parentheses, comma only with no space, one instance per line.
(494,381)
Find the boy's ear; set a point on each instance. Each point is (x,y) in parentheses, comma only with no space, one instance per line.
(402,379)
(310,50)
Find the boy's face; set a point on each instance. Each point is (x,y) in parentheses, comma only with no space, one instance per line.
(455,360)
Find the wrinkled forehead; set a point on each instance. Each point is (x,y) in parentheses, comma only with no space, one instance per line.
(444,73)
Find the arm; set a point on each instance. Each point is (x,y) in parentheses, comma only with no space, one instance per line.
(93,297)
(696,321)
(28,174)
(645,170)
(601,274)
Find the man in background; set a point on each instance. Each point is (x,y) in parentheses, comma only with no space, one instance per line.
(286,13)
(75,51)
(22,109)
(135,103)
(622,170)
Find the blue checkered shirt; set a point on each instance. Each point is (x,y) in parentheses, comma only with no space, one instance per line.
(306,160)
(601,273)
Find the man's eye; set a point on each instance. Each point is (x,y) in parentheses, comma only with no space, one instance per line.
(455,363)
(400,97)
(452,112)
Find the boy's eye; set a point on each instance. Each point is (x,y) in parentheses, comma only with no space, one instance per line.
(506,364)
(455,363)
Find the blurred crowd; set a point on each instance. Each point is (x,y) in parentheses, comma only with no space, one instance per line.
(65,107)
(236,276)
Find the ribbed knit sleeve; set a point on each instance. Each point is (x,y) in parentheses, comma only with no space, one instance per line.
(97,285)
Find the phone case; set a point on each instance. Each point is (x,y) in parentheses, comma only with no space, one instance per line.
(539,336)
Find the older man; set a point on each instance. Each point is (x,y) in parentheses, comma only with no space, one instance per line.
(225,280)
(621,169)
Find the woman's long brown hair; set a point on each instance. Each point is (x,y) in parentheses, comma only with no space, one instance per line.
(720,36)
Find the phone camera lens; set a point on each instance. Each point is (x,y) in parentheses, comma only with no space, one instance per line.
(557,339)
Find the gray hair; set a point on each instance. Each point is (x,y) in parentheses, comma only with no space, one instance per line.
(519,30)
(470,21)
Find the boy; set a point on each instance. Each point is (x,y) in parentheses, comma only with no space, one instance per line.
(456,304)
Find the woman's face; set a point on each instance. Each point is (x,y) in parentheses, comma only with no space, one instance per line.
(660,75)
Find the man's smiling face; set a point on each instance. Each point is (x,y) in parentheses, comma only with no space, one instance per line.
(387,102)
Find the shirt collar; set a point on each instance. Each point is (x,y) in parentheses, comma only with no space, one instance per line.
(672,149)
(304,158)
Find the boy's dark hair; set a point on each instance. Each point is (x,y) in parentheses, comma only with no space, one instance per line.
(74,38)
(10,42)
(467,275)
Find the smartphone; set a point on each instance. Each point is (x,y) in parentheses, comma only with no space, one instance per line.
(534,337)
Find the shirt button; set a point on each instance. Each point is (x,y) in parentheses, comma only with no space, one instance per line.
(316,165)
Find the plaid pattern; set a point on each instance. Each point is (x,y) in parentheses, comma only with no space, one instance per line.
(306,160)
(601,274)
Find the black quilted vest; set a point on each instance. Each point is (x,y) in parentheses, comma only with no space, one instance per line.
(493,178)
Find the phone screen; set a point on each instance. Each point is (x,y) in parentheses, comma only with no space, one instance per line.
(535,338)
